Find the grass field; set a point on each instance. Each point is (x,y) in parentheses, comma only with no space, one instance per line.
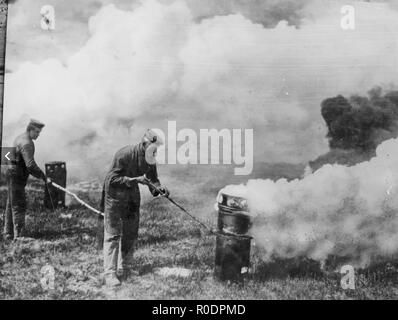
(66,240)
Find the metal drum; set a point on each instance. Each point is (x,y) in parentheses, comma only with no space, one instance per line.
(232,259)
(231,221)
(57,172)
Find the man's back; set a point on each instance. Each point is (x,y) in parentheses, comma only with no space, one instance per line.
(128,162)
(24,158)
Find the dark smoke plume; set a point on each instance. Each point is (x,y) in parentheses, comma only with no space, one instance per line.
(357,125)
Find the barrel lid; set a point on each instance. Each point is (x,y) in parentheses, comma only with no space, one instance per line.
(233,202)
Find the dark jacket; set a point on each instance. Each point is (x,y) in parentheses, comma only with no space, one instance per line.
(127,162)
(24,163)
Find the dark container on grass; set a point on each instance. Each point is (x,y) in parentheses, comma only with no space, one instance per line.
(233,221)
(232,261)
(57,172)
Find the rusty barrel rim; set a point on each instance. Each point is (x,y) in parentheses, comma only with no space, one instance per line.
(228,210)
(224,202)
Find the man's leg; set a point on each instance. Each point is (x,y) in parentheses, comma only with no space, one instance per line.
(18,206)
(8,224)
(129,237)
(100,233)
(112,235)
(111,252)
(125,261)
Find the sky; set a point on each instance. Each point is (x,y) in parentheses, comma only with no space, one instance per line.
(110,69)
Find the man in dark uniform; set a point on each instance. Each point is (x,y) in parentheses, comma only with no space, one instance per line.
(131,165)
(17,175)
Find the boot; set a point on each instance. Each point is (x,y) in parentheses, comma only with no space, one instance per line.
(121,274)
(111,280)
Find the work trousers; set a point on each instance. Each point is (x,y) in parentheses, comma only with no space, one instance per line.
(14,216)
(120,236)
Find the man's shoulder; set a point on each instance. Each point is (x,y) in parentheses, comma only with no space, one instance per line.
(125,151)
(22,140)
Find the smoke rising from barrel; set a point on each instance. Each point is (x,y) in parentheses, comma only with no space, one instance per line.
(336,211)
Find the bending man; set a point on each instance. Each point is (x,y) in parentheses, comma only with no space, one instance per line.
(129,167)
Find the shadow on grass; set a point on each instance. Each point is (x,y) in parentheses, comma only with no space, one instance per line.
(284,268)
(384,272)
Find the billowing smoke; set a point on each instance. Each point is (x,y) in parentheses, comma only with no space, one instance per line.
(341,211)
(357,125)
(160,61)
(360,122)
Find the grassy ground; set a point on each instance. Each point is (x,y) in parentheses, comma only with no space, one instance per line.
(66,240)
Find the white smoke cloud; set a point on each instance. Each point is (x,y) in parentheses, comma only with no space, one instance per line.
(155,63)
(336,211)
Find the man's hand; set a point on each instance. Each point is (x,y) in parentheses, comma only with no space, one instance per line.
(164,191)
(46,179)
(140,179)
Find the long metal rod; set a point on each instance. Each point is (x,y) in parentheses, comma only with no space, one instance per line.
(150,184)
(77,198)
(180,207)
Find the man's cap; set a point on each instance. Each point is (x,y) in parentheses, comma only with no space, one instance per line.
(151,136)
(36,123)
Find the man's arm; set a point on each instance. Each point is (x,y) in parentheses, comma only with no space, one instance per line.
(117,176)
(152,175)
(27,152)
